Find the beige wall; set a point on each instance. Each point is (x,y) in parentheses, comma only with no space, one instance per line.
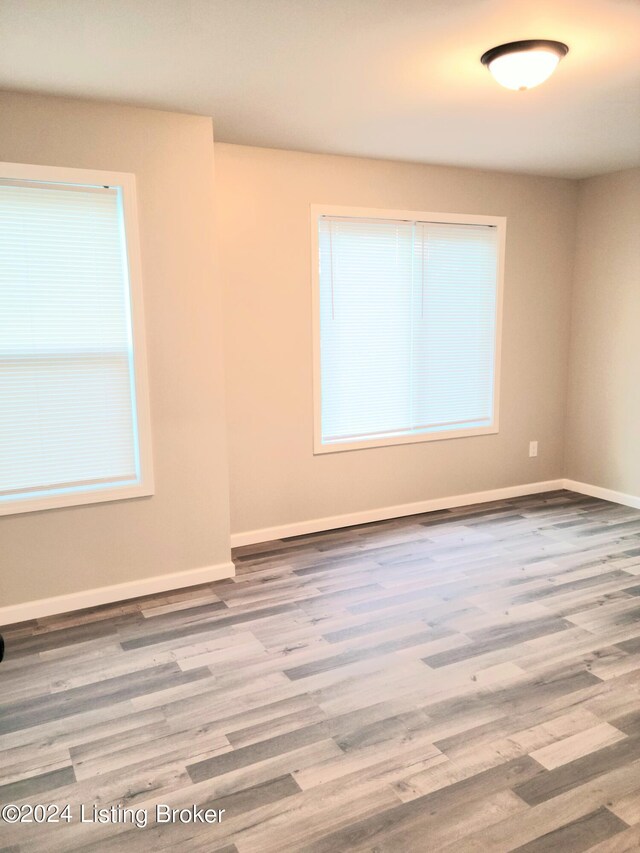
(262,213)
(263,199)
(603,425)
(185,524)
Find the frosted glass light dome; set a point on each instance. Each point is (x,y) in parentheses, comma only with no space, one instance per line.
(521,65)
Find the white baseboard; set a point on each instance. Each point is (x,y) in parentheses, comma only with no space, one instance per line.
(192,577)
(602,493)
(116,592)
(301,528)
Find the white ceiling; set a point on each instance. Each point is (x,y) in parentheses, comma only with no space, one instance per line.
(397,79)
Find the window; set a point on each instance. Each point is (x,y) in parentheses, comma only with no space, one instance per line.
(74,422)
(407,326)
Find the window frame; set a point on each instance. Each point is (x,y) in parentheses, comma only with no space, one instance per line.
(319,210)
(126,183)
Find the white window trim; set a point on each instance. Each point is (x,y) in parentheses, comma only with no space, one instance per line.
(318,210)
(127,182)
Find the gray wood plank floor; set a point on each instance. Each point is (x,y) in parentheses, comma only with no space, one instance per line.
(466,680)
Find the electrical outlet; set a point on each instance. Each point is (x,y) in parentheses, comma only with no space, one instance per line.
(533,448)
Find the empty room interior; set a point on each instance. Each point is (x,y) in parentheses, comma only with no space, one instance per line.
(320,426)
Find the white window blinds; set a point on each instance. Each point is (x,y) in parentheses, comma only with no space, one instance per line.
(407,328)
(67,383)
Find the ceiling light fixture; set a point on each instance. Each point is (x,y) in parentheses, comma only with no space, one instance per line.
(522,65)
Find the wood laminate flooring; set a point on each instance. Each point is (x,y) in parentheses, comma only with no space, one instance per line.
(464,680)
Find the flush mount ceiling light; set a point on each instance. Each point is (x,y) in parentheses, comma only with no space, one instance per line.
(522,65)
